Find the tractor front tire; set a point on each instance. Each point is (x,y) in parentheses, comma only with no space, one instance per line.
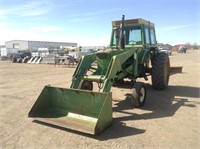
(160,71)
(138,95)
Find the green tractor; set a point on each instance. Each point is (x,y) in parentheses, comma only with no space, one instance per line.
(132,54)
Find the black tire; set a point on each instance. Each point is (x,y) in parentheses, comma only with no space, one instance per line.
(86,85)
(160,71)
(138,95)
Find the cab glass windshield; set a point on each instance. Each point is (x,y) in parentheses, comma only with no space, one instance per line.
(132,36)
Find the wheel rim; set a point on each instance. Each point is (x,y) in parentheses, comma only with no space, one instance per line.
(142,94)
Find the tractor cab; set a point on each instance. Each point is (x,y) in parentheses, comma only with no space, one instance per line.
(135,33)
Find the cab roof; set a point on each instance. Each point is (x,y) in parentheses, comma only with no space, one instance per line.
(133,22)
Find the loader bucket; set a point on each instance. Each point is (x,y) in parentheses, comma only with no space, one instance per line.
(80,110)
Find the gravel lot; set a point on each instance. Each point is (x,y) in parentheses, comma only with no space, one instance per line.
(168,120)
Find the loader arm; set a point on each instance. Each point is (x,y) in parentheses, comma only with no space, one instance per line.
(84,64)
(114,66)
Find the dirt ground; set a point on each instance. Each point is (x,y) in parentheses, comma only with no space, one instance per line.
(168,120)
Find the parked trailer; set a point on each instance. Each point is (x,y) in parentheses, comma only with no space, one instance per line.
(32,58)
(39,60)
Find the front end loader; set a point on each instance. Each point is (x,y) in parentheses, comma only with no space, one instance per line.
(132,54)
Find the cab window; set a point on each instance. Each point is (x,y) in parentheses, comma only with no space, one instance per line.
(133,35)
(152,35)
(146,30)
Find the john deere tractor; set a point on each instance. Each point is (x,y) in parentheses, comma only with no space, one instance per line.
(132,54)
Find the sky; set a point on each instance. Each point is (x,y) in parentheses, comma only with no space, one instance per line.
(88,22)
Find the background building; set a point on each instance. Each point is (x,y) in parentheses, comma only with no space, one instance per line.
(32,45)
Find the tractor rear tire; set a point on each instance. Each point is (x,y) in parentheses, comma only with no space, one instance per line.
(138,95)
(160,71)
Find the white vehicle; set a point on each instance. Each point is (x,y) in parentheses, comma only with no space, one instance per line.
(9,51)
(166,50)
(78,54)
